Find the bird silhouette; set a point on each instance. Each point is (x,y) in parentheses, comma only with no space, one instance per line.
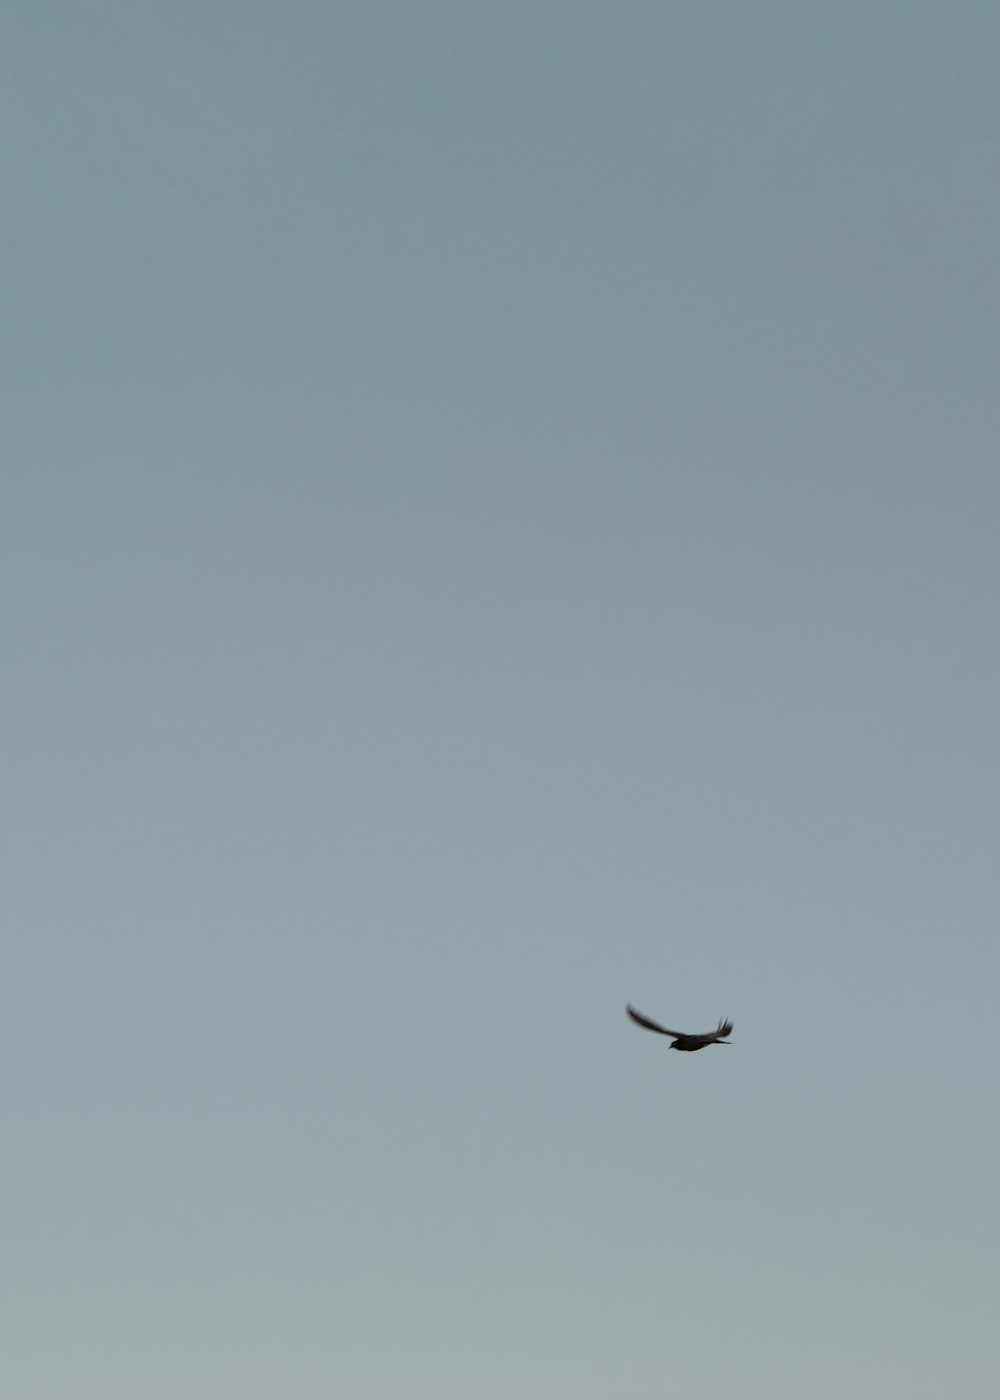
(681,1041)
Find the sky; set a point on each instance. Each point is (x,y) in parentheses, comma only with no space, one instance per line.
(498,519)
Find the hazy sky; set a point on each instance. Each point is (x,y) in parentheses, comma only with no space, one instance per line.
(499,517)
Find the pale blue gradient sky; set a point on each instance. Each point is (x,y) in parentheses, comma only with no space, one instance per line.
(499,518)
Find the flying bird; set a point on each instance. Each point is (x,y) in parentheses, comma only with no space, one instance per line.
(682,1041)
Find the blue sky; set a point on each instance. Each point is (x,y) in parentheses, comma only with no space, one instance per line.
(499,519)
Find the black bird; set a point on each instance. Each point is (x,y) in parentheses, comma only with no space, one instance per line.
(682,1041)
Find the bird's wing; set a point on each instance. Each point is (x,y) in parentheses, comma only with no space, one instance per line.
(647,1024)
(724,1028)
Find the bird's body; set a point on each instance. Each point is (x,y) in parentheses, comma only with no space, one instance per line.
(680,1040)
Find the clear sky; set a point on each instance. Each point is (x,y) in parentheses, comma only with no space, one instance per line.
(498,519)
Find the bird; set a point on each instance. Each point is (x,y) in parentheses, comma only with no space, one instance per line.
(682,1041)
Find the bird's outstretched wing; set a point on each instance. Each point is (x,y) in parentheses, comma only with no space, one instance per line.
(647,1024)
(723,1029)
